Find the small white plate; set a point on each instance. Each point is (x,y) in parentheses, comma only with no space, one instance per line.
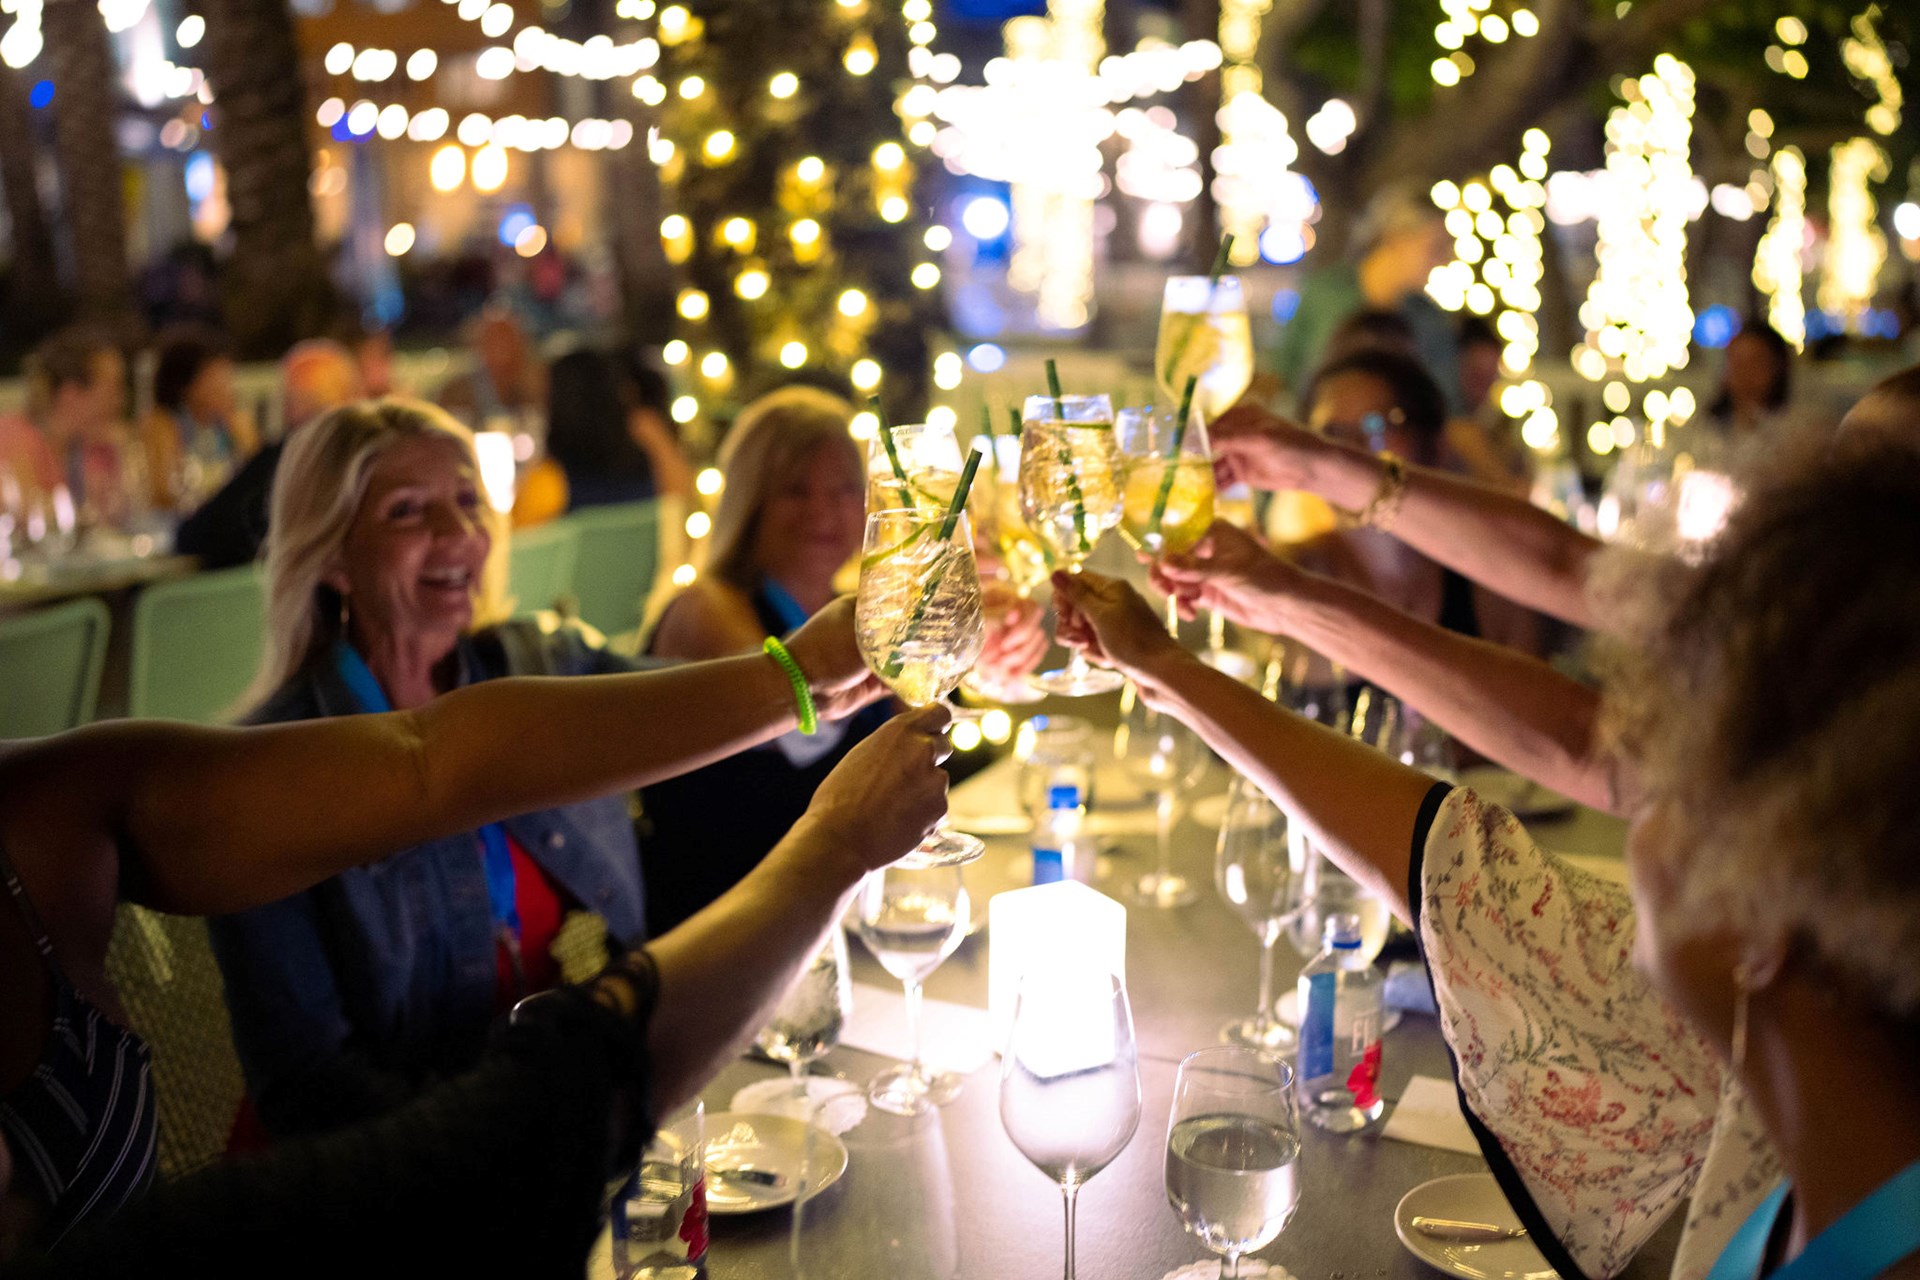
(1468,1197)
(774,1144)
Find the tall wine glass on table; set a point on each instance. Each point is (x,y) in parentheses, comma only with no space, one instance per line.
(1165,759)
(912,919)
(1233,1153)
(918,622)
(1253,871)
(810,1016)
(1070,489)
(1070,1078)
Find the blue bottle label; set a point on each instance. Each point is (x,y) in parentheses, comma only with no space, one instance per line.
(1316,1026)
(1049,866)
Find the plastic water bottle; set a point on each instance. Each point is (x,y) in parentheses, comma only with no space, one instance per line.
(1060,851)
(1340,1003)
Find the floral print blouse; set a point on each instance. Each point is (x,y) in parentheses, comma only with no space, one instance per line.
(1598,1107)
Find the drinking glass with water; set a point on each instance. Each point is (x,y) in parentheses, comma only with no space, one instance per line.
(1233,1151)
(659,1218)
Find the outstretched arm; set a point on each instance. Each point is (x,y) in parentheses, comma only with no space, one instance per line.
(1509,706)
(1358,804)
(1499,540)
(308,800)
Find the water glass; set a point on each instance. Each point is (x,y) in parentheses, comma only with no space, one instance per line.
(659,1218)
(810,1016)
(1233,1151)
(1070,1078)
(1254,873)
(912,919)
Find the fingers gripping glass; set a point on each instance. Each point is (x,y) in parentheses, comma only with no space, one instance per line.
(1071,475)
(919,624)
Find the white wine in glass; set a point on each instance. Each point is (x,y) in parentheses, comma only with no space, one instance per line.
(1204,334)
(1070,1077)
(930,456)
(912,919)
(1233,1151)
(1071,474)
(1162,514)
(920,627)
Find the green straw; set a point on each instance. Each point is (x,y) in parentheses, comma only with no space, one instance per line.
(886,439)
(894,661)
(1066,458)
(1053,388)
(1013,416)
(1213,282)
(1173,455)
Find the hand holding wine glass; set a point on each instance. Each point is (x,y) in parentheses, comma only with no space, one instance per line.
(1070,1079)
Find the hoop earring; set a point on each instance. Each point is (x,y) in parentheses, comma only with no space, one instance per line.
(1742,982)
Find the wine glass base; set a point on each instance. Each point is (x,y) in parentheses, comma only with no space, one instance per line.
(904,1092)
(944,848)
(1275,1036)
(1287,1009)
(1164,891)
(1068,683)
(1210,1268)
(1014,691)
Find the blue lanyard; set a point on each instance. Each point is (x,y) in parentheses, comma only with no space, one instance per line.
(370,697)
(792,616)
(1868,1238)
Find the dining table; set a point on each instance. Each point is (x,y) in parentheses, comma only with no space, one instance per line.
(947,1195)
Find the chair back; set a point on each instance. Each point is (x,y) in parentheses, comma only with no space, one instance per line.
(617,555)
(50,663)
(196,644)
(540,564)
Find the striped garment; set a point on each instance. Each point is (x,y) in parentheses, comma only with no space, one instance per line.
(82,1125)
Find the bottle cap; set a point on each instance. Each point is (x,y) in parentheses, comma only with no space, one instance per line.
(1342,932)
(1063,797)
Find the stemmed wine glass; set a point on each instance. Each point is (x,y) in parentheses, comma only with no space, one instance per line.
(912,919)
(1070,1078)
(1254,872)
(1165,758)
(808,1021)
(930,457)
(1070,476)
(1167,504)
(919,623)
(1233,1151)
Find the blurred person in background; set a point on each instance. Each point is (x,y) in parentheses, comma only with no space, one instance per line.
(1395,246)
(196,433)
(1756,382)
(608,429)
(384,573)
(230,527)
(506,389)
(73,434)
(1482,441)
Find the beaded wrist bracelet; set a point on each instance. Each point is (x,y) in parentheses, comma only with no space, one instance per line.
(802,695)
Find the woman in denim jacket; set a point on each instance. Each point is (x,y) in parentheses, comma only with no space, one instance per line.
(384,574)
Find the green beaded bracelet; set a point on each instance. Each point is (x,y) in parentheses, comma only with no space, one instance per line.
(802,696)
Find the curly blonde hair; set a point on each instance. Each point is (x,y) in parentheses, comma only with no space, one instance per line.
(1771,692)
(317,490)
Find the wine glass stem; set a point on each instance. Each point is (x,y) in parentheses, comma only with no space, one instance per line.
(913,1026)
(1263,1017)
(1163,807)
(1173,617)
(1072,1195)
(1230,1267)
(799,1069)
(1216,631)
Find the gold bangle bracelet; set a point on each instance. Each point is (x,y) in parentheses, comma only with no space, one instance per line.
(1380,511)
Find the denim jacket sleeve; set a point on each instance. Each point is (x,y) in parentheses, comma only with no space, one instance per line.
(289,1026)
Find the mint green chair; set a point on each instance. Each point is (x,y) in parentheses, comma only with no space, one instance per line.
(196,645)
(50,663)
(540,566)
(617,554)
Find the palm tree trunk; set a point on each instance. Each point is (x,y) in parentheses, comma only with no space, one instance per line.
(33,298)
(276,286)
(85,108)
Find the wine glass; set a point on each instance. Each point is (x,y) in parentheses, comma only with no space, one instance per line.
(1167,504)
(1165,758)
(1070,1078)
(1070,475)
(1233,1151)
(808,1020)
(929,455)
(1327,891)
(919,623)
(1253,870)
(912,918)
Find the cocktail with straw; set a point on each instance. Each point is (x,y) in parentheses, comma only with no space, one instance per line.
(911,465)
(1167,505)
(1012,561)
(1070,478)
(918,620)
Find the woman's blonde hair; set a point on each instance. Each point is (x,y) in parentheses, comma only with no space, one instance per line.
(769,441)
(317,491)
(1769,694)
